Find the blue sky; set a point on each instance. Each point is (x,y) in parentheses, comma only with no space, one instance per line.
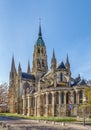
(66,27)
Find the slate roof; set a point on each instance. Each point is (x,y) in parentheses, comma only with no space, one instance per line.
(82,82)
(27,76)
(61,66)
(40,42)
(79,82)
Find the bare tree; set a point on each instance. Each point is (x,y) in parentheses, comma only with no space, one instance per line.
(3,97)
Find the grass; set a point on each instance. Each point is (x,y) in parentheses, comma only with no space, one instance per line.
(57,119)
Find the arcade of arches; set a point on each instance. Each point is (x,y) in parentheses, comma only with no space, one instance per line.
(53,103)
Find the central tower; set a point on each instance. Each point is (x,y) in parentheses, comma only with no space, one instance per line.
(39,56)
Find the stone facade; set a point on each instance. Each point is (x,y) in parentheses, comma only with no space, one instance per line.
(43,92)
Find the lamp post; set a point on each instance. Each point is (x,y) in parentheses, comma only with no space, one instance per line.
(84,101)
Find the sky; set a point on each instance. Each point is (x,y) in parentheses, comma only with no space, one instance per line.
(66,27)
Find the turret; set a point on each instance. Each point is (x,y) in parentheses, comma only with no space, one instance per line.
(13,72)
(53,62)
(67,64)
(19,69)
(28,68)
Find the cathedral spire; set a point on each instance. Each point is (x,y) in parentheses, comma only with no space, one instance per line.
(19,68)
(40,41)
(67,63)
(40,33)
(53,54)
(13,69)
(28,69)
(53,61)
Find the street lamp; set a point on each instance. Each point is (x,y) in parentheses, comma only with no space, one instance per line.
(84,101)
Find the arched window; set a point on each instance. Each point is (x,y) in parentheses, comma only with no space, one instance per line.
(38,50)
(50,98)
(57,98)
(68,97)
(38,63)
(42,50)
(74,97)
(80,96)
(26,88)
(62,97)
(61,77)
(32,102)
(42,63)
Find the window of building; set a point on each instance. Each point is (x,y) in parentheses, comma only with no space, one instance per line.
(50,98)
(74,97)
(80,96)
(62,94)
(42,51)
(38,50)
(57,98)
(61,77)
(68,97)
(44,99)
(42,63)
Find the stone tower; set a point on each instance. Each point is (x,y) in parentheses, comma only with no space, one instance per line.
(12,85)
(39,57)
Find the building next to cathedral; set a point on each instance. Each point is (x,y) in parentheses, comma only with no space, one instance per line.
(43,92)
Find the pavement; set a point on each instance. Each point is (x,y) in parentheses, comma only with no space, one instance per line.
(25,124)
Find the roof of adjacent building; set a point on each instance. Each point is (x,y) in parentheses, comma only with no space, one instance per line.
(79,82)
(27,76)
(82,82)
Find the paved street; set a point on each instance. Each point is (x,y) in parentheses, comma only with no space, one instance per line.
(23,124)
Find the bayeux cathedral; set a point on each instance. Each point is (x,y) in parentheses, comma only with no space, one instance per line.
(43,92)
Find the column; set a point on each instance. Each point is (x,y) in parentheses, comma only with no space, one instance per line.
(77,102)
(59,103)
(35,113)
(24,104)
(38,106)
(53,104)
(77,96)
(29,109)
(72,97)
(65,92)
(46,104)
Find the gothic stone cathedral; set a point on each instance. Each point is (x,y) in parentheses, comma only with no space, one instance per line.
(43,92)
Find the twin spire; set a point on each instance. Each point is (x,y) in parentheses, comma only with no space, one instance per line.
(13,68)
(67,63)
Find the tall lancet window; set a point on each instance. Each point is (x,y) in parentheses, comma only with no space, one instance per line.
(57,98)
(50,98)
(62,98)
(61,77)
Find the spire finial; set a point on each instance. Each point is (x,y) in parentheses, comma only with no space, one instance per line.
(53,53)
(67,62)
(13,69)
(28,69)
(19,67)
(40,34)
